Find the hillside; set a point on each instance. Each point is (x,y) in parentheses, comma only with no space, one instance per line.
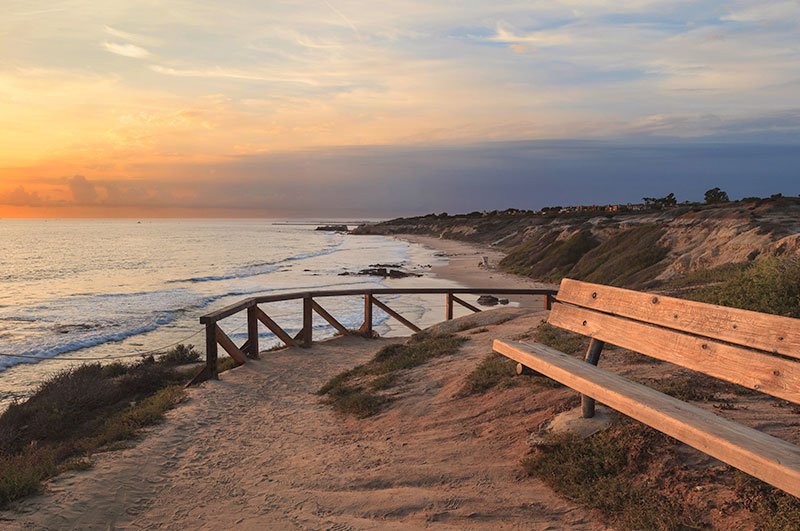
(638,249)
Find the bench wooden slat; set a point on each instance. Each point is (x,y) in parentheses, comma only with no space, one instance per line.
(763,372)
(763,456)
(772,333)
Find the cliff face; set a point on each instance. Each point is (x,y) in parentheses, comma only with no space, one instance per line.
(634,249)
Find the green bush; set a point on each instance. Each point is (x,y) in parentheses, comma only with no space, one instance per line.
(180,355)
(768,285)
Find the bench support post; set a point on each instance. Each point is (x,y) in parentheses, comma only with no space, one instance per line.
(592,356)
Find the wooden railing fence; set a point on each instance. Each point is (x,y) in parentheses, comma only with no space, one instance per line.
(249,349)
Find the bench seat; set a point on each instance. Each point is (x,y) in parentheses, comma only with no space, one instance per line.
(761,455)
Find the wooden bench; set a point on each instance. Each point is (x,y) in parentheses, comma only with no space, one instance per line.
(751,349)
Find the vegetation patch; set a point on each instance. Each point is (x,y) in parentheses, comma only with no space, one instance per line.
(628,473)
(498,371)
(776,510)
(561,340)
(355,391)
(706,277)
(80,410)
(547,258)
(630,258)
(609,472)
(768,285)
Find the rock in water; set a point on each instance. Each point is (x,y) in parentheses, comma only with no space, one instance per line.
(333,228)
(488,300)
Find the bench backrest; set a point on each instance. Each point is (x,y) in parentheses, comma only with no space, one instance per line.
(743,347)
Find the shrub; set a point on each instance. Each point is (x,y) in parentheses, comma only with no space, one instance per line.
(180,355)
(768,285)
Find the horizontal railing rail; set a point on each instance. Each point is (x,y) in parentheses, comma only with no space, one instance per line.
(249,349)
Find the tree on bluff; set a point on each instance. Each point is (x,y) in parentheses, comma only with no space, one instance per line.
(660,202)
(715,195)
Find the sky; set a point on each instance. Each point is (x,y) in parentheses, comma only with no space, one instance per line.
(343,108)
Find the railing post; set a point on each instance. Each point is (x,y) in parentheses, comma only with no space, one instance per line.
(211,350)
(252,332)
(307,321)
(592,356)
(367,326)
(548,301)
(449,314)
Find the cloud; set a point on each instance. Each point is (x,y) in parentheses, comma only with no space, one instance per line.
(341,16)
(83,191)
(144,40)
(537,38)
(225,73)
(21,197)
(766,12)
(126,50)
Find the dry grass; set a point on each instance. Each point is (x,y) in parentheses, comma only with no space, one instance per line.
(608,472)
(81,410)
(499,372)
(355,391)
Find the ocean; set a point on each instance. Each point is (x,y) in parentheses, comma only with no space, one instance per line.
(101,289)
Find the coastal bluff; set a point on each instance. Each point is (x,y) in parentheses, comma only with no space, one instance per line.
(653,247)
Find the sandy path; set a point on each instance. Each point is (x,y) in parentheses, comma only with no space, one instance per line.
(256,450)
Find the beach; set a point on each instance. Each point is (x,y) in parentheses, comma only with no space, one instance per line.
(257,449)
(465,265)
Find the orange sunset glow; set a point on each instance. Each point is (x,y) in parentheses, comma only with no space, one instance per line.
(144,109)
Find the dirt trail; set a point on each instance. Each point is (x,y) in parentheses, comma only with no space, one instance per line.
(257,450)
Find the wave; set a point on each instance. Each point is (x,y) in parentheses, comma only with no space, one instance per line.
(59,337)
(231,276)
(273,265)
(49,347)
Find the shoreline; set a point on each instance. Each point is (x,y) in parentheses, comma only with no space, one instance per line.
(462,267)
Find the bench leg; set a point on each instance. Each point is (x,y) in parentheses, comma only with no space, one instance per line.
(592,356)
